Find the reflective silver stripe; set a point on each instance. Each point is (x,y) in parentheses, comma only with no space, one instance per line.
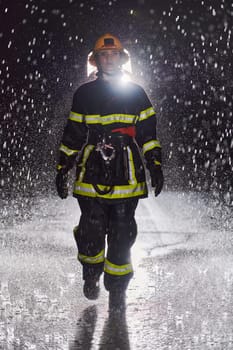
(76,117)
(93,119)
(127,191)
(147,113)
(118,270)
(92,259)
(132,177)
(150,145)
(86,154)
(111,118)
(68,151)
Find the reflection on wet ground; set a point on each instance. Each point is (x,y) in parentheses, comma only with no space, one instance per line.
(37,321)
(179,301)
(85,329)
(114,334)
(180,297)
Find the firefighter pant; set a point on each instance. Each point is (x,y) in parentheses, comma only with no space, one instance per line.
(100,219)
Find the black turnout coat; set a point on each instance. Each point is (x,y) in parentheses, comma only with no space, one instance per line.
(110,135)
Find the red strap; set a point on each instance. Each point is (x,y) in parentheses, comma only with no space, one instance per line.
(131,131)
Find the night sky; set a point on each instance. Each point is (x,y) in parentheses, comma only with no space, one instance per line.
(181,53)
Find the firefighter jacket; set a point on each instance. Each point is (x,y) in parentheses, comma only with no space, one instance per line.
(110,130)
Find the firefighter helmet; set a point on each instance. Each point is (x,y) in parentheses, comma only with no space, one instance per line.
(107,42)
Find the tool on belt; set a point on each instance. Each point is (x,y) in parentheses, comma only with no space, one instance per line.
(108,153)
(106,150)
(108,147)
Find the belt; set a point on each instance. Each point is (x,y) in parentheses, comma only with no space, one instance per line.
(116,137)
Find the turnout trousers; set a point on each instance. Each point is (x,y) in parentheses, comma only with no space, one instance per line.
(104,236)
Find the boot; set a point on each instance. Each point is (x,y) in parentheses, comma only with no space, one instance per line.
(91,288)
(117,301)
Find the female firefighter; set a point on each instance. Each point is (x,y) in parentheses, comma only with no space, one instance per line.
(110,134)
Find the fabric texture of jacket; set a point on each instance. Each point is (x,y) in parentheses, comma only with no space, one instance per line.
(110,129)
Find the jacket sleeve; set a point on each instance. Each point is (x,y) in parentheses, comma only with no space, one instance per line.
(146,131)
(74,134)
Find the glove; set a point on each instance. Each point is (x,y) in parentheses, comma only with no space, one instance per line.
(61,184)
(157,178)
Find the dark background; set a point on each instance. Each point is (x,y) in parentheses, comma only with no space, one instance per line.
(181,53)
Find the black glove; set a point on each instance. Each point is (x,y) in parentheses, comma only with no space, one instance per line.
(157,178)
(61,184)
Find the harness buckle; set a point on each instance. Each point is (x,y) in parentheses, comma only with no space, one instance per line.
(106,150)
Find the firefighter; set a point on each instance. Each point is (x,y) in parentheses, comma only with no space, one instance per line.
(111,136)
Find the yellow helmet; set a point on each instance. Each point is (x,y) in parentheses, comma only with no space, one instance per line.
(108,42)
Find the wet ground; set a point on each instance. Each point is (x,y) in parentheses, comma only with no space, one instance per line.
(181,296)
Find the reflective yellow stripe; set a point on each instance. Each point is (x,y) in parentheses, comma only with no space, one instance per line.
(76,117)
(86,154)
(126,191)
(92,259)
(59,167)
(132,177)
(157,162)
(93,119)
(118,270)
(146,113)
(111,119)
(103,120)
(68,151)
(148,146)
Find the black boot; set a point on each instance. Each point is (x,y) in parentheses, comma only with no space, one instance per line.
(117,301)
(91,288)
